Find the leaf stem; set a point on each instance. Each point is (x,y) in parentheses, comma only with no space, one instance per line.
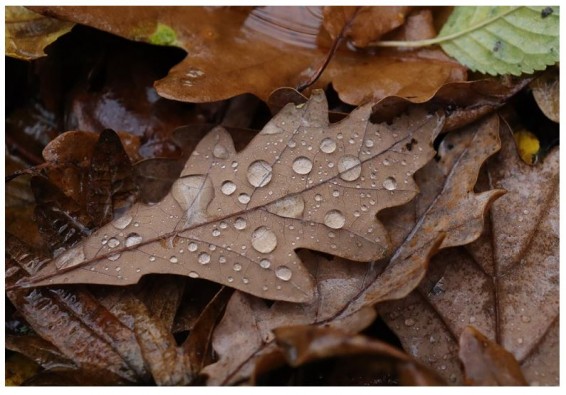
(438,39)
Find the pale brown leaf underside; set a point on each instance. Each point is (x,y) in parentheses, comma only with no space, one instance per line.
(505,284)
(237,218)
(449,213)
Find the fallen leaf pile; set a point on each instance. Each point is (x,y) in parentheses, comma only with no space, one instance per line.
(311,210)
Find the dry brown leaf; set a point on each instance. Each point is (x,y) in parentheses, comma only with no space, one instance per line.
(28,33)
(486,362)
(236,218)
(364,24)
(233,51)
(447,214)
(505,284)
(546,90)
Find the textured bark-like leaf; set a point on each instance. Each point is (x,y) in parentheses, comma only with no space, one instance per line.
(446,213)
(236,218)
(232,50)
(505,284)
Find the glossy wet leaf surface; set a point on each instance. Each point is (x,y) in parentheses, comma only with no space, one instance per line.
(229,49)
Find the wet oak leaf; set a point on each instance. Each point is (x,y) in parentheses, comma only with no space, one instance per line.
(233,50)
(505,283)
(447,213)
(236,218)
(486,362)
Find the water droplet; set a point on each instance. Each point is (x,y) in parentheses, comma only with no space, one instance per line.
(203,258)
(228,188)
(525,319)
(234,164)
(328,146)
(138,270)
(237,267)
(220,152)
(215,232)
(265,263)
(113,242)
(223,225)
(173,259)
(132,239)
(409,322)
(259,174)
(369,143)
(288,207)
(118,268)
(114,257)
(152,258)
(302,165)
(240,223)
(193,275)
(472,320)
(245,280)
(122,222)
(318,197)
(192,247)
(244,198)
(291,144)
(335,193)
(386,162)
(264,240)
(283,273)
(390,183)
(520,340)
(230,279)
(349,168)
(222,259)
(334,219)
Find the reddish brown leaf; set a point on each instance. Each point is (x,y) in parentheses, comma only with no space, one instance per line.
(363,24)
(546,90)
(486,362)
(237,43)
(263,201)
(505,284)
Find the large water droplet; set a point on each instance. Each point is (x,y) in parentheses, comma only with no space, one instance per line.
(113,242)
(240,223)
(122,222)
(244,198)
(283,273)
(192,247)
(203,258)
(302,165)
(349,168)
(264,240)
(265,263)
(328,145)
(288,207)
(259,173)
(390,183)
(220,152)
(132,239)
(334,219)
(228,188)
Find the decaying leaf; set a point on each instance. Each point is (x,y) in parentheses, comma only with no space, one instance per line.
(487,363)
(232,50)
(339,358)
(290,188)
(28,33)
(446,213)
(505,284)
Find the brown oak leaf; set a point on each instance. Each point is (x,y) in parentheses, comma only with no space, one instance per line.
(236,218)
(505,284)
(447,213)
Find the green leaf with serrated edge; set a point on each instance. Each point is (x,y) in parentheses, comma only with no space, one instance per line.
(502,40)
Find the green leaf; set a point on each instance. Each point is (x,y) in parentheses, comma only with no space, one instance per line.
(502,40)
